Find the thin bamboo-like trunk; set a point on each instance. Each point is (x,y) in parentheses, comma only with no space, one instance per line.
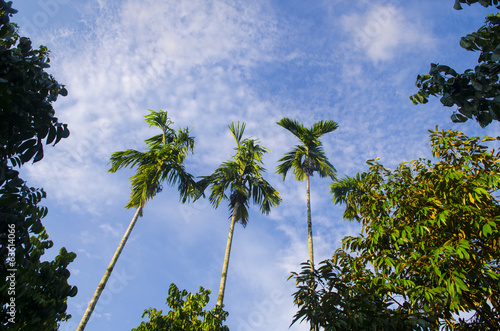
(309,225)
(310,235)
(223,278)
(107,274)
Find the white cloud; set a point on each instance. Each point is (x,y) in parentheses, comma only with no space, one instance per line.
(384,32)
(108,229)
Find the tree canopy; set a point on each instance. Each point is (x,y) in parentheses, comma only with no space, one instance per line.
(308,157)
(429,247)
(484,3)
(242,177)
(476,92)
(163,161)
(27,120)
(27,92)
(186,313)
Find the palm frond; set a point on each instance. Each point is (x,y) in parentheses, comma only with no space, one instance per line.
(322,127)
(321,164)
(237,131)
(144,185)
(238,207)
(294,126)
(127,159)
(221,181)
(159,119)
(343,187)
(293,160)
(264,195)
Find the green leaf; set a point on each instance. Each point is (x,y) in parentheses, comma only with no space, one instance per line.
(26,145)
(28,155)
(52,135)
(486,229)
(447,100)
(461,284)
(465,110)
(39,155)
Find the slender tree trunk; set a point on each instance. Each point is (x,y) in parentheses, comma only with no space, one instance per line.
(309,225)
(310,237)
(105,278)
(223,278)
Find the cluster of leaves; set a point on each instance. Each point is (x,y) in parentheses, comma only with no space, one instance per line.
(187,313)
(476,92)
(242,177)
(26,119)
(339,296)
(26,96)
(308,157)
(484,3)
(431,233)
(162,161)
(41,288)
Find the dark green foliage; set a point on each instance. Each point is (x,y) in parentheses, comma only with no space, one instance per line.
(484,3)
(187,313)
(41,288)
(26,96)
(476,92)
(339,296)
(38,289)
(430,235)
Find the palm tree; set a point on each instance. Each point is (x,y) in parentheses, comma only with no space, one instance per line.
(242,178)
(162,161)
(305,159)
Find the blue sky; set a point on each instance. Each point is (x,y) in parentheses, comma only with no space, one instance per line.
(208,63)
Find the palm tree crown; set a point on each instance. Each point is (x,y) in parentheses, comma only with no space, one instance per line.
(309,157)
(162,161)
(242,178)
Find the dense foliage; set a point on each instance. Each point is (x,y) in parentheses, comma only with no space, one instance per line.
(33,294)
(476,92)
(429,247)
(26,95)
(187,313)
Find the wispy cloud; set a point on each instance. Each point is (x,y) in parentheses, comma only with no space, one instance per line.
(383,32)
(189,58)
